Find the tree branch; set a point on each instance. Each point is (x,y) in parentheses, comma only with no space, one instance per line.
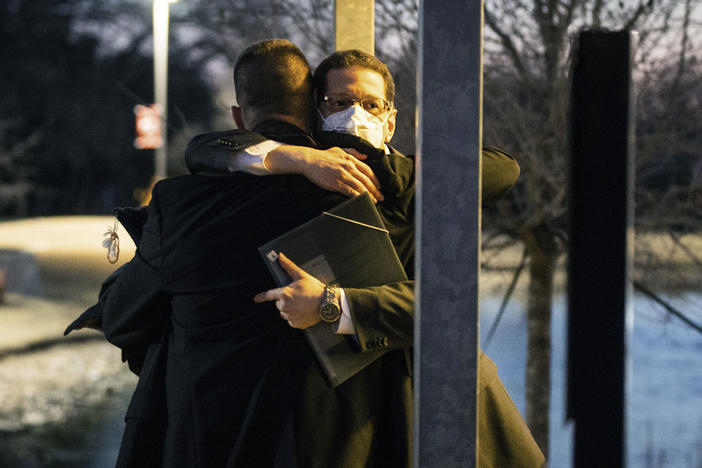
(506,298)
(696,260)
(683,47)
(640,10)
(667,306)
(507,43)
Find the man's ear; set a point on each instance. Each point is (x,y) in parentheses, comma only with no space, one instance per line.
(238,119)
(390,125)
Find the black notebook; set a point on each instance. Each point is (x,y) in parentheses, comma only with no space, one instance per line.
(348,246)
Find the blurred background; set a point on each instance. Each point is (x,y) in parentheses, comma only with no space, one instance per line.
(74,70)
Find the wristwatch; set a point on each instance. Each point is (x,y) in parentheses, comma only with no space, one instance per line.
(329,309)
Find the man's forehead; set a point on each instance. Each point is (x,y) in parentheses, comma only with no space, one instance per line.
(357,81)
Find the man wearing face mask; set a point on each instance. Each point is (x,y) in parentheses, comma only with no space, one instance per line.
(367,420)
(360,117)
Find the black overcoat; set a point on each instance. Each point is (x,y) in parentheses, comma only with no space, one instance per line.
(221,376)
(220,379)
(366,421)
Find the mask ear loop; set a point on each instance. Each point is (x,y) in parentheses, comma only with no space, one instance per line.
(382,124)
(324,120)
(387,116)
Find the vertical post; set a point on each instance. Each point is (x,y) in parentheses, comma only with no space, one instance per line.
(160,25)
(600,244)
(448,233)
(354,25)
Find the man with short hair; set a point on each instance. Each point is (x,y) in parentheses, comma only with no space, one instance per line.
(221,376)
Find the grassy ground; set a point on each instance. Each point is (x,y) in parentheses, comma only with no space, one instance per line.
(58,395)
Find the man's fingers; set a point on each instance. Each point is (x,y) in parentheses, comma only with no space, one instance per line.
(363,173)
(352,187)
(368,172)
(369,183)
(356,154)
(351,192)
(344,172)
(353,183)
(291,268)
(270,295)
(363,167)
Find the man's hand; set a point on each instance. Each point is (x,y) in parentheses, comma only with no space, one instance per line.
(334,169)
(299,301)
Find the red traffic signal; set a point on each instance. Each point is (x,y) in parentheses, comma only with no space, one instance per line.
(148,126)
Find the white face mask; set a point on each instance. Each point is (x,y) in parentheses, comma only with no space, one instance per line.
(357,121)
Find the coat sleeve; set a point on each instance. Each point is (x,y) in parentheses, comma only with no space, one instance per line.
(383,316)
(210,153)
(135,305)
(500,172)
(503,436)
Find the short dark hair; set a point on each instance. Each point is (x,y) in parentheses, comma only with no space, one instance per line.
(273,77)
(353,58)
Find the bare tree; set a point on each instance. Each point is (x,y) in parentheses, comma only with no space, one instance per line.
(526,91)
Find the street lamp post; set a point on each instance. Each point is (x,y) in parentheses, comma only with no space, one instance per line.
(160,24)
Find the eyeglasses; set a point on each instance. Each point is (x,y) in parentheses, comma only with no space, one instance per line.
(337,103)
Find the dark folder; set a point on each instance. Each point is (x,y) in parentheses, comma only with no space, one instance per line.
(349,246)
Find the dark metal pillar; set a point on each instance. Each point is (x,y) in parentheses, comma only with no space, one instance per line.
(601,243)
(448,233)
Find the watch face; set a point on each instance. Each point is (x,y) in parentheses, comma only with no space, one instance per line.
(329,312)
